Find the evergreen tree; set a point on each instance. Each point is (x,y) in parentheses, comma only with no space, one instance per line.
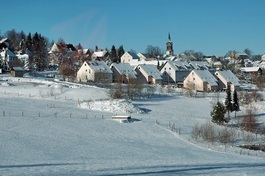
(113,54)
(22,43)
(39,52)
(228,100)
(29,42)
(218,113)
(14,39)
(120,52)
(235,102)
(29,46)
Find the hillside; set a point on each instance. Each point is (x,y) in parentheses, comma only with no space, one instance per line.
(55,128)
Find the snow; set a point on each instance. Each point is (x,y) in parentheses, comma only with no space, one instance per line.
(59,128)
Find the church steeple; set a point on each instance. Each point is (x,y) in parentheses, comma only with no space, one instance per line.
(169,45)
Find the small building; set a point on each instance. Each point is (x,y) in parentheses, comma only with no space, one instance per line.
(148,74)
(94,71)
(251,70)
(128,57)
(6,58)
(17,72)
(100,55)
(122,73)
(218,65)
(201,80)
(225,78)
(175,72)
(142,56)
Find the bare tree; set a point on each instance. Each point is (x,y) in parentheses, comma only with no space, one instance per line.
(249,122)
(153,51)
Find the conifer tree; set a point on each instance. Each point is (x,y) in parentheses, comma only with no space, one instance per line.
(39,52)
(235,102)
(120,52)
(228,100)
(218,113)
(113,54)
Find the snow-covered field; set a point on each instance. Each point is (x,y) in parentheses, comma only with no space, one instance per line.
(54,128)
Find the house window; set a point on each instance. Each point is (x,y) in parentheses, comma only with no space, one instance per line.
(169,68)
(85,64)
(86,70)
(165,68)
(193,79)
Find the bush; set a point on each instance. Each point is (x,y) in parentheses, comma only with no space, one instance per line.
(247,98)
(249,122)
(226,136)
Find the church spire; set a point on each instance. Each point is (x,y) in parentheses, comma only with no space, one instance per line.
(169,46)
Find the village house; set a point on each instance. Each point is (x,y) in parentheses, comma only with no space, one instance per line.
(94,71)
(225,78)
(149,74)
(263,57)
(128,56)
(175,72)
(6,58)
(217,65)
(61,53)
(251,70)
(122,73)
(201,80)
(202,65)
(100,55)
(142,56)
(17,71)
(24,57)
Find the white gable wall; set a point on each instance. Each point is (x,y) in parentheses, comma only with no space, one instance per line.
(85,73)
(195,82)
(126,58)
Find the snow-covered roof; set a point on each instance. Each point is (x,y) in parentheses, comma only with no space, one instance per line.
(218,63)
(249,69)
(141,55)
(3,40)
(54,48)
(9,53)
(125,68)
(201,65)
(134,55)
(179,65)
(151,70)
(135,62)
(99,53)
(18,68)
(229,76)
(99,66)
(206,76)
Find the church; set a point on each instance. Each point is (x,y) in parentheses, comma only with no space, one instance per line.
(169,55)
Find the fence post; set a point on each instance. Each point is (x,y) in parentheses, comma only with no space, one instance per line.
(4,113)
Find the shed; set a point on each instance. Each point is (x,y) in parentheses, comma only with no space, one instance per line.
(122,117)
(17,72)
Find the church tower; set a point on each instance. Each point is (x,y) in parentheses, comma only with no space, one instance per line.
(169,44)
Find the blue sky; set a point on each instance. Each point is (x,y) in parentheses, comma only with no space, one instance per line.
(211,26)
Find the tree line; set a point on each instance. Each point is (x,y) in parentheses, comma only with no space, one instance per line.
(36,44)
(39,45)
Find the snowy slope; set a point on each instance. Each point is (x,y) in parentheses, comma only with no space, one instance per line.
(47,128)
